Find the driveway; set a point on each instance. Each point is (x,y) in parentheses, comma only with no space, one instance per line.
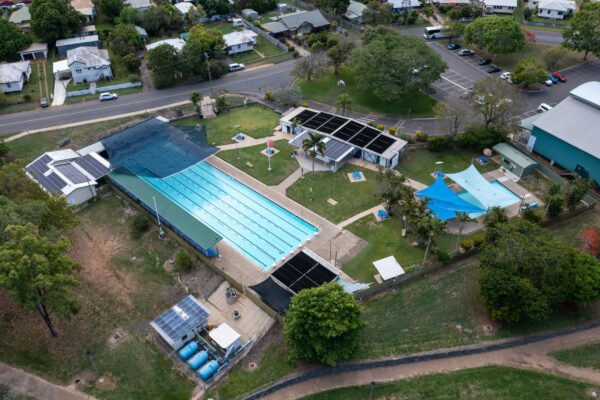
(60,91)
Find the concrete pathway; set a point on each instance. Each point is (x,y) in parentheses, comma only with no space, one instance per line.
(289,181)
(34,386)
(372,210)
(60,92)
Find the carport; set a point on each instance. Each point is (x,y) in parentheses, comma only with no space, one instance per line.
(35,51)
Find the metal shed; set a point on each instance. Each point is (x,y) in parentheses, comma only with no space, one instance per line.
(514,160)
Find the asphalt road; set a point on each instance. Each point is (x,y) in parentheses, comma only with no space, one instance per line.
(542,36)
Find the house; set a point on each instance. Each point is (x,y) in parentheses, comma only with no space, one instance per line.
(555,9)
(143,34)
(283,7)
(240,41)
(355,11)
(176,43)
(21,19)
(500,6)
(69,174)
(568,134)
(35,51)
(13,76)
(401,5)
(141,5)
(184,7)
(298,23)
(344,138)
(64,45)
(456,2)
(87,30)
(89,64)
(249,13)
(85,7)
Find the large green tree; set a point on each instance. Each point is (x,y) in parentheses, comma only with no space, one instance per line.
(337,7)
(583,34)
(37,273)
(529,71)
(378,12)
(210,40)
(11,39)
(499,35)
(323,324)
(391,66)
(553,55)
(155,19)
(54,19)
(124,39)
(454,29)
(339,53)
(164,63)
(109,8)
(496,101)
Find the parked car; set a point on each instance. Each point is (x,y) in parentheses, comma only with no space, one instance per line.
(505,75)
(493,69)
(454,46)
(485,61)
(7,3)
(466,52)
(550,77)
(544,107)
(108,96)
(44,102)
(236,67)
(423,68)
(548,82)
(559,76)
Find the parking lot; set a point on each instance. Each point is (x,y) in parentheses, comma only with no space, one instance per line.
(452,81)
(472,60)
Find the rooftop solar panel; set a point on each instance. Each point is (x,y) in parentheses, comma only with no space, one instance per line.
(347,131)
(181,318)
(72,173)
(381,144)
(362,139)
(52,182)
(92,166)
(317,120)
(333,124)
(40,166)
(305,116)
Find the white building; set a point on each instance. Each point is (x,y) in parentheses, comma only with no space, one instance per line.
(141,5)
(400,5)
(13,76)
(176,43)
(555,9)
(89,64)
(69,174)
(500,6)
(239,42)
(184,7)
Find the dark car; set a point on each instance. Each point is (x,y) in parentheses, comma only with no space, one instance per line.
(559,76)
(44,102)
(466,52)
(484,61)
(454,46)
(493,69)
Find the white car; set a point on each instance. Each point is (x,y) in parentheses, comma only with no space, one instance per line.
(543,108)
(108,96)
(236,67)
(548,82)
(505,75)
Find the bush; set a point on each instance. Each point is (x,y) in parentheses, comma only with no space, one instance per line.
(403,136)
(478,240)
(183,260)
(305,104)
(332,41)
(27,97)
(421,136)
(557,204)
(392,130)
(527,13)
(438,143)
(139,224)
(132,62)
(479,137)
(466,244)
(255,22)
(530,215)
(413,139)
(442,255)
(381,127)
(269,95)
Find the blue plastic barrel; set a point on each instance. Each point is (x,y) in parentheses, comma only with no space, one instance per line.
(208,369)
(187,351)
(198,359)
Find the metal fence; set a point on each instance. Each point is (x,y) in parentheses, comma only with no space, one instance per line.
(262,33)
(103,89)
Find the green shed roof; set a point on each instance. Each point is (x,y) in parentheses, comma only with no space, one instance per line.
(169,211)
(516,156)
(527,123)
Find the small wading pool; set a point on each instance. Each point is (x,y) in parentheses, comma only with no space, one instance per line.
(469,197)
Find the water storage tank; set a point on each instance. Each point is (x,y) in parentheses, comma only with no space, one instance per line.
(208,369)
(188,350)
(198,359)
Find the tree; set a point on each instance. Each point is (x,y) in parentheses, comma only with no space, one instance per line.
(193,61)
(314,145)
(462,218)
(391,187)
(219,7)
(210,40)
(576,190)
(163,61)
(529,71)
(11,39)
(37,273)
(378,13)
(452,113)
(343,104)
(323,323)
(529,36)
(337,7)
(339,53)
(155,19)
(527,13)
(54,19)
(132,62)
(453,29)
(496,101)
(195,98)
(310,66)
(220,97)
(124,39)
(386,65)
(110,8)
(585,287)
(552,56)
(554,200)
(183,260)
(2,97)
(290,95)
(583,33)
(130,15)
(499,35)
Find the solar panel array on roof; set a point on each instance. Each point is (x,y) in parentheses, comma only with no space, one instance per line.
(303,272)
(333,124)
(40,166)
(52,182)
(305,116)
(71,173)
(381,144)
(92,166)
(348,131)
(317,120)
(181,318)
(365,136)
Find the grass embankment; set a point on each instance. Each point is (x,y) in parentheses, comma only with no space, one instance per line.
(583,356)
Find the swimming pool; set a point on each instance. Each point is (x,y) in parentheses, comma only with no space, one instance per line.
(255,226)
(471,199)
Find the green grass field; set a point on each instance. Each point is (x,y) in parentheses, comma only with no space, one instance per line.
(255,121)
(494,382)
(570,231)
(352,198)
(265,47)
(282,165)
(325,90)
(583,356)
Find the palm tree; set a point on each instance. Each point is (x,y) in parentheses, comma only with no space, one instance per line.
(293,132)
(462,217)
(391,190)
(429,228)
(314,145)
(343,104)
(195,98)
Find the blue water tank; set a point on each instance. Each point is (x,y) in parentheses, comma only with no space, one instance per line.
(208,369)
(198,359)
(187,350)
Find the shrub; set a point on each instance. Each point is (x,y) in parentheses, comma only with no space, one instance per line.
(27,97)
(255,22)
(529,214)
(442,255)
(139,224)
(305,104)
(132,62)
(438,143)
(527,13)
(421,136)
(478,240)
(332,41)
(269,95)
(392,130)
(466,244)
(183,260)
(381,127)
(413,139)
(404,136)
(479,137)
(557,203)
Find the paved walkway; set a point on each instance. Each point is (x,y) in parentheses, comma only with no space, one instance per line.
(60,91)
(372,210)
(34,386)
(289,181)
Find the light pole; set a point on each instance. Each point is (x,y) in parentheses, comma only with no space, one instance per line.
(209,76)
(161,233)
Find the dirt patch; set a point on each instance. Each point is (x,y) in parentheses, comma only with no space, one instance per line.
(488,326)
(274,336)
(201,281)
(106,382)
(82,378)
(117,337)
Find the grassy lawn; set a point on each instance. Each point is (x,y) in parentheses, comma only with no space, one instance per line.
(224,27)
(352,198)
(494,382)
(535,18)
(282,165)
(265,47)
(254,121)
(325,90)
(115,294)
(92,97)
(583,356)
(73,87)
(570,231)
(419,164)
(14,100)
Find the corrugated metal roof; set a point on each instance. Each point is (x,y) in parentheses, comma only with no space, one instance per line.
(138,3)
(335,149)
(527,123)
(81,39)
(176,43)
(294,20)
(356,8)
(35,47)
(239,37)
(558,5)
(518,157)
(588,92)
(89,56)
(20,16)
(500,3)
(13,72)
(275,27)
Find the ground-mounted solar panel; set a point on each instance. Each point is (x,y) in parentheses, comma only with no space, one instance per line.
(332,125)
(40,166)
(349,130)
(303,272)
(92,166)
(317,120)
(304,116)
(380,144)
(71,173)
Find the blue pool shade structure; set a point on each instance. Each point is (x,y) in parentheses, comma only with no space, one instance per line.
(443,202)
(485,193)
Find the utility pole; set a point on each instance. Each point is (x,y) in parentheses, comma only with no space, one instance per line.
(426,250)
(209,75)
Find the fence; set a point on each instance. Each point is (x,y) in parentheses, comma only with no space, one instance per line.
(546,24)
(262,33)
(103,89)
(341,22)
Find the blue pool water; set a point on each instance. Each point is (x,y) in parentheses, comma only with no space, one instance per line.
(469,197)
(255,226)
